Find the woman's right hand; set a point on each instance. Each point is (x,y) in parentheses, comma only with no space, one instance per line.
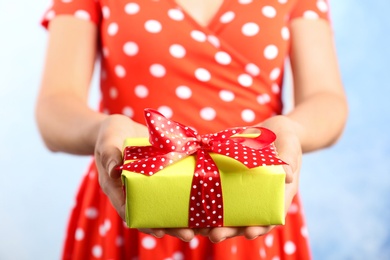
(108,154)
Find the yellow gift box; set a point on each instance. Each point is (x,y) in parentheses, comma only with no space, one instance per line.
(251,197)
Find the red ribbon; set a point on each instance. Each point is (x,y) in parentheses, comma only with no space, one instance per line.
(172,141)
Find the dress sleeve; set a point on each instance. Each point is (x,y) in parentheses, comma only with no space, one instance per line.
(311,9)
(82,9)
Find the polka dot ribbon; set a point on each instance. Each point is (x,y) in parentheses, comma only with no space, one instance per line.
(172,141)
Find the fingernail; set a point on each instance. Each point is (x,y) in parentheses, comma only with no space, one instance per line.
(221,240)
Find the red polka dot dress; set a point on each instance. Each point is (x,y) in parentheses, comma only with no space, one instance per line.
(226,74)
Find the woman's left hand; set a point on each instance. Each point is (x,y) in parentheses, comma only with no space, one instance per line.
(289,150)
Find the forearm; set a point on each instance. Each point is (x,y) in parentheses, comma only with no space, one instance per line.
(67,124)
(319,120)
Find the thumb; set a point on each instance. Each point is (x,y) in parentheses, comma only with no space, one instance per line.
(110,158)
(289,150)
(116,160)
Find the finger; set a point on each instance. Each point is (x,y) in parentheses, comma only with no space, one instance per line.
(217,235)
(106,159)
(114,191)
(185,234)
(289,150)
(156,232)
(256,231)
(110,157)
(289,172)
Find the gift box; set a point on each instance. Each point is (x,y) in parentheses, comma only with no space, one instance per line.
(178,178)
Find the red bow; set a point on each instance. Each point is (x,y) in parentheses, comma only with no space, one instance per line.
(172,141)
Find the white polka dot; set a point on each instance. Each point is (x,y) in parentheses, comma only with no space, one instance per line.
(132,8)
(153,26)
(250,29)
(106,12)
(271,52)
(79,234)
(91,213)
(245,2)
(105,52)
(120,71)
(157,70)
(285,33)
(112,29)
(233,249)
(275,258)
(183,92)
(275,73)
(102,230)
(81,14)
(282,1)
(113,93)
(66,1)
(214,41)
(293,209)
(262,253)
(198,36)
(175,14)
(263,99)
(269,240)
(208,113)
(194,243)
(149,242)
(322,6)
(50,15)
(119,241)
(128,111)
(248,115)
(289,248)
(177,51)
(304,231)
(178,256)
(92,174)
(269,11)
(130,48)
(202,74)
(97,251)
(311,15)
(141,91)
(275,88)
(227,17)
(223,58)
(252,69)
(166,111)
(226,95)
(245,80)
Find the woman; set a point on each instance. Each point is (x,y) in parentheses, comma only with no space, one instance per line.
(208,64)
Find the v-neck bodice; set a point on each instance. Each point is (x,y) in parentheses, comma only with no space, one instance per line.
(236,60)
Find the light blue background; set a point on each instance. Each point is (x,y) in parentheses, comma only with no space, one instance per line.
(346,189)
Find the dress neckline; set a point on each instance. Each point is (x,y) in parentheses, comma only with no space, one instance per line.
(213,20)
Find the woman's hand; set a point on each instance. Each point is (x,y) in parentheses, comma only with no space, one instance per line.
(289,150)
(108,154)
